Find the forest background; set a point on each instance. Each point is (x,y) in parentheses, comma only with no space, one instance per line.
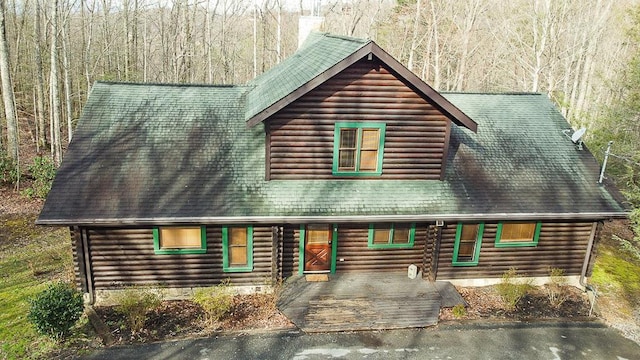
(583,53)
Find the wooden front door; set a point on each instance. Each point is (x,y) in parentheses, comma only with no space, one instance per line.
(317,248)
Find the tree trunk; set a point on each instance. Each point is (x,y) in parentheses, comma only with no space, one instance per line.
(39,71)
(414,37)
(7,90)
(67,79)
(56,142)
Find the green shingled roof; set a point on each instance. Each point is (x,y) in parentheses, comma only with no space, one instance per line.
(318,53)
(158,154)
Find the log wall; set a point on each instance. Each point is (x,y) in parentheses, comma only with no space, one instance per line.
(353,249)
(123,257)
(301,135)
(561,245)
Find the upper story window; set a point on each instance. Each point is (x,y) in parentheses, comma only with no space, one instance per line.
(358,148)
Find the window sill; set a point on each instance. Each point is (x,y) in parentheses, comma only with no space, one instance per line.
(390,246)
(516,244)
(237,269)
(179,251)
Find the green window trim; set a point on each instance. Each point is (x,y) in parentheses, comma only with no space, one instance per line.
(160,251)
(476,252)
(334,248)
(391,245)
(226,267)
(336,148)
(532,243)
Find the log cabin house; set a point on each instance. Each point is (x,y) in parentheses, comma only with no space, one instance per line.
(337,160)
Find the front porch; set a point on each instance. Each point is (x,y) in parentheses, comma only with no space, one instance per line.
(358,301)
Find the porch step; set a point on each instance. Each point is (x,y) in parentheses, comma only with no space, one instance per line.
(316,277)
(351,302)
(364,314)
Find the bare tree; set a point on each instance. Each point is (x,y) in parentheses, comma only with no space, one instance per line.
(7,89)
(56,141)
(41,138)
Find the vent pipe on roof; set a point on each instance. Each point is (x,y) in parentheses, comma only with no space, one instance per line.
(604,163)
(307,24)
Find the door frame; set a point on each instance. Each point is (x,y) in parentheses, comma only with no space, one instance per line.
(334,248)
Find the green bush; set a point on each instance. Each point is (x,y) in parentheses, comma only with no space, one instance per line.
(55,310)
(459,311)
(216,301)
(135,303)
(510,290)
(8,169)
(43,171)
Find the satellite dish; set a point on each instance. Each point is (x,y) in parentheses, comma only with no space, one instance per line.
(578,134)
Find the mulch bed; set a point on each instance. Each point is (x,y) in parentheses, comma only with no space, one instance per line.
(486,303)
(178,319)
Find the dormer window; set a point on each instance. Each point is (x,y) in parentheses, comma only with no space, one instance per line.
(358,149)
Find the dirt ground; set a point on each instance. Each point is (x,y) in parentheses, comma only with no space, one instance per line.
(485,303)
(183,319)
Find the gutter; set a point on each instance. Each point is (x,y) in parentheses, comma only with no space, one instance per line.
(585,264)
(249,220)
(87,266)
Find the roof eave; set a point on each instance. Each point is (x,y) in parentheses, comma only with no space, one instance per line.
(310,85)
(455,114)
(334,219)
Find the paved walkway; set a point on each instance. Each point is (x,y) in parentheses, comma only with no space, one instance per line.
(350,302)
(508,341)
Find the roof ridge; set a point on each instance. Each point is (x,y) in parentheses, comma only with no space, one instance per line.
(348,38)
(493,93)
(136,83)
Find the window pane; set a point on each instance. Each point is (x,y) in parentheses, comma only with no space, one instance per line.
(368,160)
(348,138)
(469,232)
(237,255)
(347,160)
(180,238)
(238,236)
(318,234)
(466,250)
(401,235)
(370,139)
(381,235)
(517,232)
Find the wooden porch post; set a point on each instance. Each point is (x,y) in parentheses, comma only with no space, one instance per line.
(433,274)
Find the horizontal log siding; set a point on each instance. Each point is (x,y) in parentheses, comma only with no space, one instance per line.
(561,245)
(353,248)
(289,259)
(301,135)
(123,257)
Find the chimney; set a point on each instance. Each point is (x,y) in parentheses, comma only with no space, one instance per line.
(307,24)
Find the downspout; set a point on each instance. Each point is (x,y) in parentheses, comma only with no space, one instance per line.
(588,288)
(87,266)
